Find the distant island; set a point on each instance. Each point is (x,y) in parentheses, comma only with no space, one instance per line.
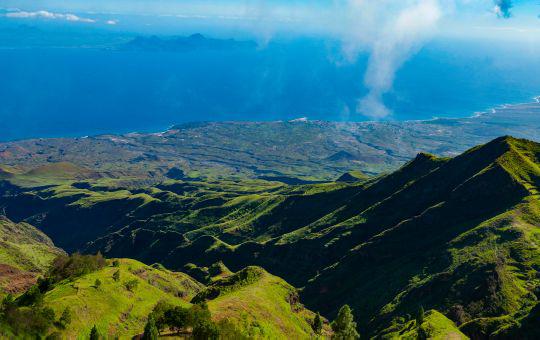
(181,44)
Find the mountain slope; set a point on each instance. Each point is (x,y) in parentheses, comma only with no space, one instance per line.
(457,235)
(118,296)
(260,304)
(112,307)
(25,252)
(470,249)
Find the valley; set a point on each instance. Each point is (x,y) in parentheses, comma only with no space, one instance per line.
(456,236)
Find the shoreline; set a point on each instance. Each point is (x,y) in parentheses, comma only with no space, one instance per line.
(161,131)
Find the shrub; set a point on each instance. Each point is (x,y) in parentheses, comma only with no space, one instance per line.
(30,322)
(179,318)
(116,276)
(116,263)
(54,336)
(8,303)
(33,296)
(97,283)
(199,313)
(131,285)
(228,330)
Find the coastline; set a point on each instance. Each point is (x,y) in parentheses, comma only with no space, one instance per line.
(159,131)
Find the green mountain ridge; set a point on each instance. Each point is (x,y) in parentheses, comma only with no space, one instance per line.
(118,298)
(457,236)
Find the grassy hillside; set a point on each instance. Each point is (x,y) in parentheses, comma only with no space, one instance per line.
(25,253)
(113,308)
(259,304)
(457,235)
(473,246)
(435,326)
(118,296)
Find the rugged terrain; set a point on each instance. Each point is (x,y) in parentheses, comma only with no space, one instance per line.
(457,236)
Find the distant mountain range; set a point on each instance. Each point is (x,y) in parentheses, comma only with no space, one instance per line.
(181,44)
(454,236)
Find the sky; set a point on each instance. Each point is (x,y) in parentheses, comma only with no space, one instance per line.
(308,15)
(390,31)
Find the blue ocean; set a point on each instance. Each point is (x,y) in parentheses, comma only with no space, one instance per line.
(55,91)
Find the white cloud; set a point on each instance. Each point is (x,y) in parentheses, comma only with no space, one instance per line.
(390,32)
(48,15)
(111,22)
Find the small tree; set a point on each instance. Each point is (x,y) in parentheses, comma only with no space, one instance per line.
(97,283)
(178,318)
(420,317)
(205,330)
(317,324)
(65,318)
(158,312)
(94,334)
(116,263)
(199,314)
(344,326)
(116,276)
(150,330)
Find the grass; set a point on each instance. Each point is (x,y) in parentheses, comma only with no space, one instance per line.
(436,326)
(442,232)
(116,311)
(265,307)
(25,247)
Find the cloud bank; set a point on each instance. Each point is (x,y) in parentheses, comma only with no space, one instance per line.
(48,15)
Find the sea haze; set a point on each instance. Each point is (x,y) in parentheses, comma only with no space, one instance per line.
(95,87)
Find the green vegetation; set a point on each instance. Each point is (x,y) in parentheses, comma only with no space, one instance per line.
(434,326)
(24,247)
(68,290)
(317,324)
(25,252)
(458,236)
(148,300)
(344,326)
(28,315)
(150,330)
(118,308)
(257,304)
(94,333)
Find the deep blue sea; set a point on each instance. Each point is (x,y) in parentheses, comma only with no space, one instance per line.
(48,92)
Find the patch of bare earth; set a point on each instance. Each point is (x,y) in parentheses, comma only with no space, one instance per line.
(14,281)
